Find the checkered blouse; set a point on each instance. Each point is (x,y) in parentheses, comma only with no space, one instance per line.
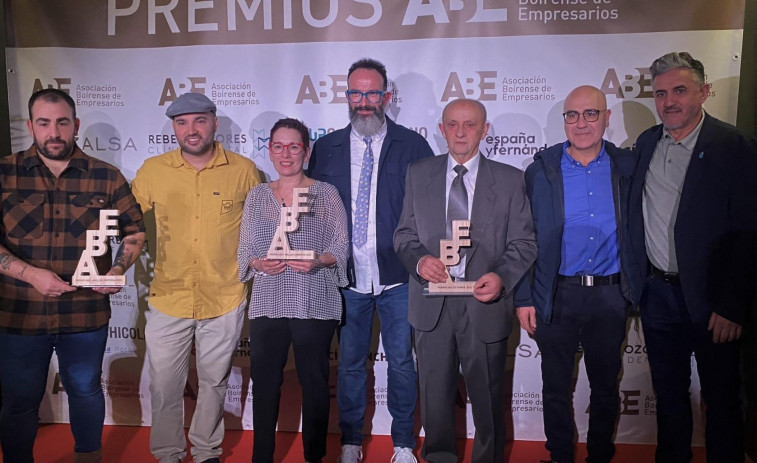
(324,229)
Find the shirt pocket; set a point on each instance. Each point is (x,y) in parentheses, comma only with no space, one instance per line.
(23,214)
(228,207)
(84,212)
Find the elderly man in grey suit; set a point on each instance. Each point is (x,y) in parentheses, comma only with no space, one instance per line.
(467,331)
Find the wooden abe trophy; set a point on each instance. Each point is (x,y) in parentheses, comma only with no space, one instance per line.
(449,254)
(288,223)
(97,245)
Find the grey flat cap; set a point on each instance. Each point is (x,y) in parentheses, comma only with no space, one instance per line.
(190,103)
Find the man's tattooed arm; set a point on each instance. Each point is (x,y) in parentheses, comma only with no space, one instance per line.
(20,274)
(11,265)
(45,281)
(128,252)
(6,259)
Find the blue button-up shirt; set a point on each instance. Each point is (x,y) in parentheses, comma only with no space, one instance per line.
(589,240)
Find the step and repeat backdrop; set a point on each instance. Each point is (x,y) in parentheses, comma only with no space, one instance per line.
(124,61)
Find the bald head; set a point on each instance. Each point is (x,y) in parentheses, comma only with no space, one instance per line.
(473,104)
(463,126)
(586,118)
(586,93)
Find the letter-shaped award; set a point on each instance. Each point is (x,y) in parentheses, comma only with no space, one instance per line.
(97,244)
(288,223)
(449,254)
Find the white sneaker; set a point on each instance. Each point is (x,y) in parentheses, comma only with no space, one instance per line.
(403,455)
(350,454)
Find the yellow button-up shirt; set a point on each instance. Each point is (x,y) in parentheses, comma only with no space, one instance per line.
(197,214)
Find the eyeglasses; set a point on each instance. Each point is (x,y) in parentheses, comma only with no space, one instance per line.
(590,115)
(373,96)
(294,148)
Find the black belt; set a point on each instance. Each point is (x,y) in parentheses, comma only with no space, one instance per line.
(667,277)
(591,280)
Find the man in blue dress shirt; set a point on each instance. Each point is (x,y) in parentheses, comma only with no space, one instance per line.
(577,296)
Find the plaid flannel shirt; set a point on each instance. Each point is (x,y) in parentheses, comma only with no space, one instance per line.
(44,222)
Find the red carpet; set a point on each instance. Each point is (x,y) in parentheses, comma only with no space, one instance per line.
(125,444)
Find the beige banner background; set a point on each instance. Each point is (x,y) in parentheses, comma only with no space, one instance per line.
(521,70)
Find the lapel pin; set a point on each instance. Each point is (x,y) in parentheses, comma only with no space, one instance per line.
(701,155)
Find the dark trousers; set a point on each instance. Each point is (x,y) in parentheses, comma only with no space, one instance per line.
(671,337)
(270,339)
(441,352)
(24,364)
(593,318)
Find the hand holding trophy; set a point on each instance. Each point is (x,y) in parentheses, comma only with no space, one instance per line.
(449,254)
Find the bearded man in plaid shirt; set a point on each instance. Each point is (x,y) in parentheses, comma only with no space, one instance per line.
(51,194)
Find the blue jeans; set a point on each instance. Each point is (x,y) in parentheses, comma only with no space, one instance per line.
(354,346)
(23,374)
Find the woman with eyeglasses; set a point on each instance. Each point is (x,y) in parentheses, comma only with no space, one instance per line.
(293,302)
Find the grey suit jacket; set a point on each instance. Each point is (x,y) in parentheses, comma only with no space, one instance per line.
(502,240)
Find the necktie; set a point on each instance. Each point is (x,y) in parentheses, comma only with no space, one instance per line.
(457,206)
(360,233)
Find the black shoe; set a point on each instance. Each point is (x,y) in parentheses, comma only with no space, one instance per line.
(212,460)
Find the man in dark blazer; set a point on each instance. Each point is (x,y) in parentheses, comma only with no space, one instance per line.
(367,162)
(692,213)
(464,331)
(579,294)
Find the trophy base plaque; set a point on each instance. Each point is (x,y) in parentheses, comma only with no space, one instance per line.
(98,280)
(450,288)
(291,254)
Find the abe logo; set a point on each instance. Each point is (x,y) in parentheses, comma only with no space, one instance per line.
(630,402)
(637,84)
(60,83)
(481,86)
(57,384)
(440,14)
(329,90)
(172,90)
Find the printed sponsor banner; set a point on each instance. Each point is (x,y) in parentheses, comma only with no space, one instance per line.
(260,60)
(146,24)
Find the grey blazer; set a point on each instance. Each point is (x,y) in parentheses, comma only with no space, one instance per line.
(502,240)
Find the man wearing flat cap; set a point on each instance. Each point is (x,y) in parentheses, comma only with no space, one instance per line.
(196,193)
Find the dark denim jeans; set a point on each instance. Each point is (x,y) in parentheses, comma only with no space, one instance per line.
(24,365)
(594,318)
(671,337)
(354,346)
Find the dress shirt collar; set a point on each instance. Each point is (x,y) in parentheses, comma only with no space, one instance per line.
(597,160)
(471,164)
(219,158)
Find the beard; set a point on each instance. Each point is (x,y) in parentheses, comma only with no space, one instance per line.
(63,153)
(369,125)
(204,147)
